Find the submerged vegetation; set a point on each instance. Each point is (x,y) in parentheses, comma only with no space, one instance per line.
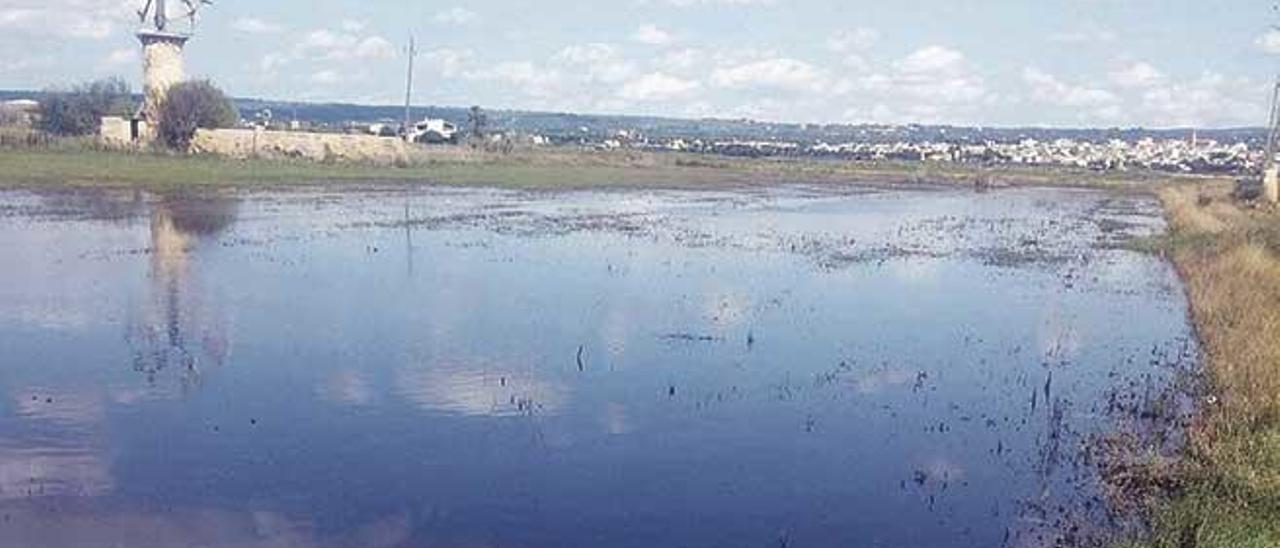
(1225,491)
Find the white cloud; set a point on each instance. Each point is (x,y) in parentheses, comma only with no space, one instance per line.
(1085,35)
(932,59)
(253,25)
(272,62)
(523,76)
(587,53)
(449,62)
(341,46)
(455,16)
(682,60)
(859,39)
(593,77)
(122,56)
(779,73)
(1209,100)
(933,84)
(1136,75)
(657,86)
(1110,114)
(25,63)
(938,75)
(324,40)
(319,56)
(651,35)
(82,19)
(1269,42)
(596,62)
(325,77)
(694,3)
(374,47)
(848,79)
(1047,88)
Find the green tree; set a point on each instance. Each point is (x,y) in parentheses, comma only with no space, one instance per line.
(190,106)
(79,111)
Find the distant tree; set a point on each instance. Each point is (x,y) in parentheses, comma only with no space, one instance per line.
(79,111)
(190,106)
(477,124)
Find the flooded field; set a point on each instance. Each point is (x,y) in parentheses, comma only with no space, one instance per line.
(475,368)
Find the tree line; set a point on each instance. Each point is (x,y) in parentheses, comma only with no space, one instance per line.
(190,105)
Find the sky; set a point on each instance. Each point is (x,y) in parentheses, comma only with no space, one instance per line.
(1076,63)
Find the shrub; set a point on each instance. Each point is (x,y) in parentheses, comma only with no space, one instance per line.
(79,111)
(191,106)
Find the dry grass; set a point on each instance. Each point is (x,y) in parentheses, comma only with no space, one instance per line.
(1229,255)
(1228,488)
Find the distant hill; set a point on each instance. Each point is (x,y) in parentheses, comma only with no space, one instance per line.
(588,127)
(597,126)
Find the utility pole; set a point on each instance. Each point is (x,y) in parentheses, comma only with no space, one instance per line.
(1273,127)
(408,92)
(1270,171)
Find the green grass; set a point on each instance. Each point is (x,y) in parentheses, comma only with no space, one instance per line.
(539,169)
(1225,491)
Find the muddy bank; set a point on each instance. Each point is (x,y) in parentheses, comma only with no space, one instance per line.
(1220,487)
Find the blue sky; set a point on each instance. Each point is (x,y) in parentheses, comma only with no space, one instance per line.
(991,62)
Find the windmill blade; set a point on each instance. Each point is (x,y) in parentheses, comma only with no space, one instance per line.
(193,8)
(142,13)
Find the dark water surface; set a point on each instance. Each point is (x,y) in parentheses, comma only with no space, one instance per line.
(472,368)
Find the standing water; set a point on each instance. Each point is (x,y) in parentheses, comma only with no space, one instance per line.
(791,366)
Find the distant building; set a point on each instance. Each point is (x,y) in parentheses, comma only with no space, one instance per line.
(20,112)
(434,130)
(381,129)
(22,105)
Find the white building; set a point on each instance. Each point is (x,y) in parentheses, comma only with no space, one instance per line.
(434,130)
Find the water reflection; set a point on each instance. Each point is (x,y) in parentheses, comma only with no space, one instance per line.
(690,377)
(477,391)
(30,525)
(54,443)
(30,471)
(346,388)
(176,327)
(52,446)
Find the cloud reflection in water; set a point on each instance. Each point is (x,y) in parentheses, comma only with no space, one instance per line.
(474,392)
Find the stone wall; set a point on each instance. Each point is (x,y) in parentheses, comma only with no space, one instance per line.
(318,147)
(116,132)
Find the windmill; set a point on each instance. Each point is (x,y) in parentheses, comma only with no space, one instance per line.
(1270,170)
(155,10)
(162,52)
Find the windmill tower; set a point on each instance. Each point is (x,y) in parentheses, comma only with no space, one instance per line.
(162,63)
(1270,169)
